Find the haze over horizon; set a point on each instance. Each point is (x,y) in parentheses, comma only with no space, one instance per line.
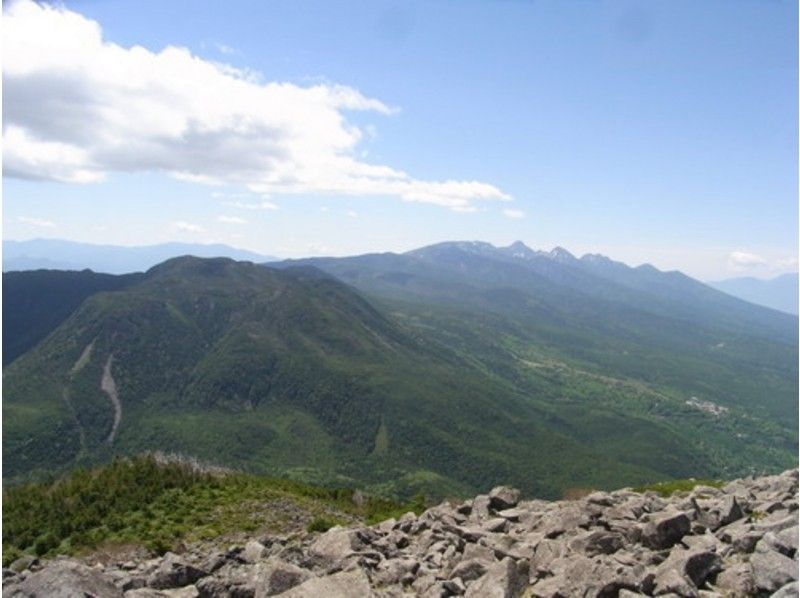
(388,127)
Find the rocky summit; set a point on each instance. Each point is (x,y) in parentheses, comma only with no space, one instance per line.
(738,540)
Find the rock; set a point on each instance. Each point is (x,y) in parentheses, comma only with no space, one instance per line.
(480,508)
(174,572)
(253,552)
(405,522)
(455,586)
(503,497)
(63,579)
(514,515)
(772,570)
(478,551)
(471,569)
(672,582)
(577,575)
(741,536)
(784,542)
(665,530)
(602,499)
(338,543)
(344,584)
(790,590)
(723,512)
(737,579)
(24,562)
(776,524)
(506,579)
(694,565)
(395,571)
(275,576)
(597,542)
(185,592)
(496,525)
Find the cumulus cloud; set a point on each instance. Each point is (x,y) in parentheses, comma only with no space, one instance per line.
(513,214)
(232,220)
(37,222)
(188,227)
(78,107)
(744,260)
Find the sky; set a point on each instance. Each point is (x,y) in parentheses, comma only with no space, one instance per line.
(659,132)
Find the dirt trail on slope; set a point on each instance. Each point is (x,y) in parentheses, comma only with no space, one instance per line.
(108,386)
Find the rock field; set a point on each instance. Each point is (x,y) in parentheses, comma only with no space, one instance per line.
(740,540)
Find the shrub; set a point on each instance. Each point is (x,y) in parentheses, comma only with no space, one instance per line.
(320,524)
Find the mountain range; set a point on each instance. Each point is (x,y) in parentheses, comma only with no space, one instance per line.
(58,254)
(779,293)
(445,370)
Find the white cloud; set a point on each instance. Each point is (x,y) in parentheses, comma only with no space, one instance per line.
(261,205)
(352,213)
(788,263)
(225,49)
(78,107)
(232,220)
(38,222)
(744,260)
(188,227)
(324,209)
(513,214)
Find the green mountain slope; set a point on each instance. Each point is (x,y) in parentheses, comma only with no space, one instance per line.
(287,373)
(661,328)
(442,382)
(36,301)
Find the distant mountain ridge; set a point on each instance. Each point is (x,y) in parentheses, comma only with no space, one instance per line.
(57,254)
(779,293)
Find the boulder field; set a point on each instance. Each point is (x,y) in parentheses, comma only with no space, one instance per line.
(738,540)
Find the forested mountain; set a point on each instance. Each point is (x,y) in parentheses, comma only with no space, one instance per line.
(36,301)
(455,367)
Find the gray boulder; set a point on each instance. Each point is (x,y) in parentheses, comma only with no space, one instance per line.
(174,572)
(336,544)
(275,576)
(503,497)
(665,530)
(344,584)
(597,542)
(506,579)
(772,570)
(737,580)
(63,579)
(790,590)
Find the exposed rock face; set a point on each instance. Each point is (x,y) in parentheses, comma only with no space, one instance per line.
(737,541)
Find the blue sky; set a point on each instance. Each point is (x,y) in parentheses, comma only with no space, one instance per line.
(662,132)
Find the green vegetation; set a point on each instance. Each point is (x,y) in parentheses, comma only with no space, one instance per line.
(670,487)
(145,502)
(35,302)
(455,376)
(320,524)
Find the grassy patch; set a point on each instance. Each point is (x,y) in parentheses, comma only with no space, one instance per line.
(671,487)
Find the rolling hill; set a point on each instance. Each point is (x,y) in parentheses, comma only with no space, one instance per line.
(454,368)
